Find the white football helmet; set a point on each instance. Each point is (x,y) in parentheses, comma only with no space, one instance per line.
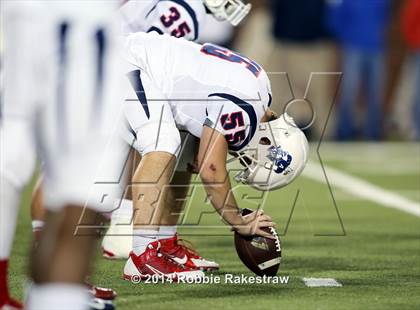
(275,156)
(233,11)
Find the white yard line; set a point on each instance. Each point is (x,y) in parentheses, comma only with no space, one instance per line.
(361,188)
(321,282)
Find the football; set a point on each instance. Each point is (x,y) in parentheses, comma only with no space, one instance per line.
(261,255)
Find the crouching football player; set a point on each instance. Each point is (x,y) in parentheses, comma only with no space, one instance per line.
(223,99)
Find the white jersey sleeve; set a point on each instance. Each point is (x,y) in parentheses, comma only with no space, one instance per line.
(233,117)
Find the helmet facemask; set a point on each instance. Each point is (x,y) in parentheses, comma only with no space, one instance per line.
(233,11)
(275,156)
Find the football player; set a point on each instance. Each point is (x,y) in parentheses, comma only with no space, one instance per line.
(61,96)
(178,18)
(223,99)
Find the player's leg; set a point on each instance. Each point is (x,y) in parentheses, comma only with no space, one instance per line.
(151,180)
(375,81)
(117,242)
(17,146)
(38,211)
(158,142)
(175,200)
(118,239)
(73,131)
(352,67)
(58,257)
(179,187)
(151,177)
(415,102)
(17,165)
(38,215)
(178,250)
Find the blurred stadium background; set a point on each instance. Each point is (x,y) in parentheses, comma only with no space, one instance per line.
(356,218)
(375,44)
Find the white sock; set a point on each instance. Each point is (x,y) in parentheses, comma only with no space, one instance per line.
(9,208)
(124,213)
(141,238)
(37,225)
(57,296)
(166,232)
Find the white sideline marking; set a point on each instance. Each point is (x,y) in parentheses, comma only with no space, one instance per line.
(319,282)
(361,188)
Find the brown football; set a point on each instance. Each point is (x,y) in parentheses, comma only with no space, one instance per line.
(261,255)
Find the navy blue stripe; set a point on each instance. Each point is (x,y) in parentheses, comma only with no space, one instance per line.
(61,84)
(100,40)
(190,11)
(127,125)
(134,77)
(249,109)
(133,133)
(151,10)
(153,28)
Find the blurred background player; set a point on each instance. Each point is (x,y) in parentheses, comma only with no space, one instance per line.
(60,60)
(221,98)
(406,111)
(301,47)
(363,62)
(315,28)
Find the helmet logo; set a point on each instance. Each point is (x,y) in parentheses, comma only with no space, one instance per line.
(280,158)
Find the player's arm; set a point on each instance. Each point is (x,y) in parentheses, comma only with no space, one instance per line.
(212,158)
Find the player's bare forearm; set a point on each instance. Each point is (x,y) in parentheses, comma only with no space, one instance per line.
(212,162)
(222,198)
(212,157)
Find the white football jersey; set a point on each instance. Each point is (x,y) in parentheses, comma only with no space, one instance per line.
(178,18)
(191,85)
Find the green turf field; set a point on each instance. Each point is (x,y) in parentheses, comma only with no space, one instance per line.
(376,257)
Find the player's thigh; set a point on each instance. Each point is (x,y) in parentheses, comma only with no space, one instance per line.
(18,152)
(20,90)
(149,117)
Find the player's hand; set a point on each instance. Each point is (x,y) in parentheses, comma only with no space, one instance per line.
(254,223)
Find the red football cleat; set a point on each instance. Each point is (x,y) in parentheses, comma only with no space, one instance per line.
(152,263)
(102,292)
(185,255)
(6,302)
(10,304)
